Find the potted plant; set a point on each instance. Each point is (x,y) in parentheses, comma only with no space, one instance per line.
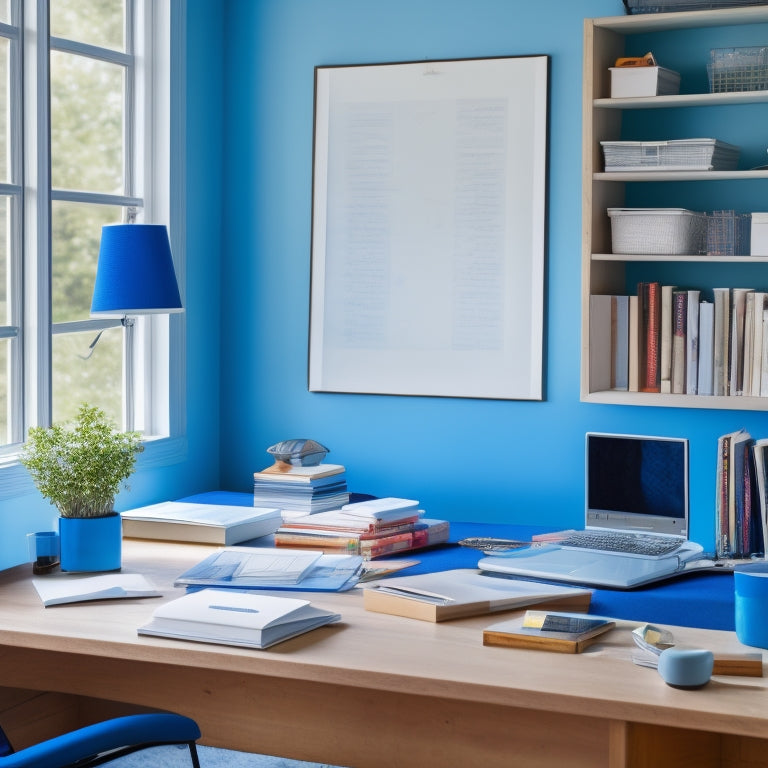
(80,470)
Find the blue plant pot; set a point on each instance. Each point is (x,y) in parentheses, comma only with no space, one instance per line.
(91,543)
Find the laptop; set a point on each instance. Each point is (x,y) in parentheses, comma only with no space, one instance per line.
(634,484)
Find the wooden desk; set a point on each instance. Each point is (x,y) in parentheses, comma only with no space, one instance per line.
(380,691)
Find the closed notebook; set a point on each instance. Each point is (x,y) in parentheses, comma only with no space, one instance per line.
(548,631)
(202,523)
(465,592)
(229,617)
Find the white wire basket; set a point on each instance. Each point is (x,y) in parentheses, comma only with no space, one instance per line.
(738,69)
(658,231)
(674,155)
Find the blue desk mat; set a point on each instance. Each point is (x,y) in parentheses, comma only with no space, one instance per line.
(702,600)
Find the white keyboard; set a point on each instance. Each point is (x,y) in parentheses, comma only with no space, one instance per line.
(639,544)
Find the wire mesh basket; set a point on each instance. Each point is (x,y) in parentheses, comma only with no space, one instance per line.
(664,6)
(728,233)
(667,231)
(738,69)
(675,155)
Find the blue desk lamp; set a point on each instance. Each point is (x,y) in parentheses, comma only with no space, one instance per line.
(135,274)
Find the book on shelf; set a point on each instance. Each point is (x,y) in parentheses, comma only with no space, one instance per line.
(758,321)
(634,345)
(679,334)
(665,339)
(649,298)
(72,588)
(738,311)
(314,571)
(229,617)
(706,348)
(609,339)
(692,342)
(721,351)
(548,631)
(201,523)
(464,592)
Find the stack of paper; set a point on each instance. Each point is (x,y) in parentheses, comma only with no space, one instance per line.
(299,491)
(229,617)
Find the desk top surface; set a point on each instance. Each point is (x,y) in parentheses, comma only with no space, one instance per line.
(703,600)
(389,653)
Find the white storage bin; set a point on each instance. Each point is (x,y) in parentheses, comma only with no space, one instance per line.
(627,82)
(665,231)
(759,234)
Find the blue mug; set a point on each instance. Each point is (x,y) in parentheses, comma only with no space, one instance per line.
(751,605)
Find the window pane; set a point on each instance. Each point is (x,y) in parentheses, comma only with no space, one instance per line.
(86,124)
(5,110)
(97,22)
(82,374)
(5,378)
(76,234)
(5,261)
(5,11)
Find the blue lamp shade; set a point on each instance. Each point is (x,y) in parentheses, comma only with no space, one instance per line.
(135,273)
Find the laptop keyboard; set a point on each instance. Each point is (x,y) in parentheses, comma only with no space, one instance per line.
(626,543)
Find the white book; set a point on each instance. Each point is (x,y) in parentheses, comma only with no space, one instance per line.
(387,508)
(764,366)
(634,344)
(229,617)
(600,358)
(721,347)
(665,360)
(71,588)
(757,343)
(203,523)
(620,342)
(738,311)
(706,340)
(748,345)
(692,344)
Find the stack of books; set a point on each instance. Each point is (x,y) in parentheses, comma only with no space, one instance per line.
(742,497)
(300,491)
(374,528)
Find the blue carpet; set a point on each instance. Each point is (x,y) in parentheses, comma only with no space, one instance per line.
(178,757)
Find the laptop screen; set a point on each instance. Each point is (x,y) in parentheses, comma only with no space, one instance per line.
(634,482)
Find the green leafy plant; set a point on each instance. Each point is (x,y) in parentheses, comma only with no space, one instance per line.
(80,468)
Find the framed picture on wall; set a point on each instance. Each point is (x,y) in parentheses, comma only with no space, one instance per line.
(428,228)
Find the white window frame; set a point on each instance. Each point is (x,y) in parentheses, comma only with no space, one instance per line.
(161,167)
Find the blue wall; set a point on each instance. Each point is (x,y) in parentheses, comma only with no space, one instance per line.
(464,459)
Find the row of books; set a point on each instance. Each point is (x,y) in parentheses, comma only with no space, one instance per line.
(374,528)
(741,505)
(298,490)
(670,340)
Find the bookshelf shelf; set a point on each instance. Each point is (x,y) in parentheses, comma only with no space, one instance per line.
(603,272)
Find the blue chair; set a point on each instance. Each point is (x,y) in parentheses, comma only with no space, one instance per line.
(98,744)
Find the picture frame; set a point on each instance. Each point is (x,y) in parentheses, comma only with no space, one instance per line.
(428,228)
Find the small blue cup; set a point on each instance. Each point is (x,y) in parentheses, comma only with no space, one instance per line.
(751,603)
